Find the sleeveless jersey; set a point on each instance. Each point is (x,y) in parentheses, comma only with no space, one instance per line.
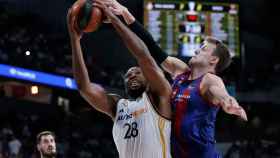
(139,131)
(193,125)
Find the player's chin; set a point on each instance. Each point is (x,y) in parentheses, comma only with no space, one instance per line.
(136,91)
(53,153)
(134,87)
(50,154)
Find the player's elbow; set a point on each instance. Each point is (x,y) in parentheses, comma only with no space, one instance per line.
(92,91)
(81,87)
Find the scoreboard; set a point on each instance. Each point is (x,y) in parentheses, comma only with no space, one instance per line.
(180,26)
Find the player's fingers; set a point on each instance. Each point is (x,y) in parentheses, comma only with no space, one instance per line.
(108,3)
(69,14)
(115,11)
(97,5)
(101,6)
(99,2)
(70,20)
(244,115)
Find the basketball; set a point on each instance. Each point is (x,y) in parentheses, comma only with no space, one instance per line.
(89,17)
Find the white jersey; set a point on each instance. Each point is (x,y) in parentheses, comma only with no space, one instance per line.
(139,132)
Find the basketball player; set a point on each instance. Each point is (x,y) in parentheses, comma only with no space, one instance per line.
(198,93)
(141,123)
(46,144)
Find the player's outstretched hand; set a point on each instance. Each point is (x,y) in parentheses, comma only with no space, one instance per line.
(234,108)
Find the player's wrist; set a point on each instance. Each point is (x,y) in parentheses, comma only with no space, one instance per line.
(75,38)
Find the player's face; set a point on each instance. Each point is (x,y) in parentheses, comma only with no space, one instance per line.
(135,82)
(47,146)
(203,54)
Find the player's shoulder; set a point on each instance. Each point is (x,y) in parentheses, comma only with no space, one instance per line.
(210,78)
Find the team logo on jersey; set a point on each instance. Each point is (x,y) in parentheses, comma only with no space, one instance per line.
(124,117)
(134,114)
(139,112)
(183,96)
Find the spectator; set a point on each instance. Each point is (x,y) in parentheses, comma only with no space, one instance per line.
(14,147)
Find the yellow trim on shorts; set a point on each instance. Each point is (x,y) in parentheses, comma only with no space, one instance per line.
(161,124)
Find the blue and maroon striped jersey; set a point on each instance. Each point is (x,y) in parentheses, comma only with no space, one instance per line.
(193,121)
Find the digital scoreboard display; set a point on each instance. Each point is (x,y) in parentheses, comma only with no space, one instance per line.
(180,26)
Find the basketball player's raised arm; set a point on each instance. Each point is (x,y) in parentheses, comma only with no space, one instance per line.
(215,91)
(159,85)
(172,65)
(93,93)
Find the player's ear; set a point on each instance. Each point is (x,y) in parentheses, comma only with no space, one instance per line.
(214,60)
(38,147)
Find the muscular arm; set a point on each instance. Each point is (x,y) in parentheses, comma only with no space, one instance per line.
(214,90)
(93,93)
(158,84)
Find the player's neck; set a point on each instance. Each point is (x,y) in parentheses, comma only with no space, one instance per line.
(135,97)
(197,72)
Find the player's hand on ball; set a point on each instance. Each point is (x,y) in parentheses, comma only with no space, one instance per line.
(115,7)
(71,25)
(106,9)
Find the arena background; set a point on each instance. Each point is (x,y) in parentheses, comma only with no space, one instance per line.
(27,107)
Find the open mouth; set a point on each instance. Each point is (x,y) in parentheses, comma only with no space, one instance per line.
(50,149)
(133,84)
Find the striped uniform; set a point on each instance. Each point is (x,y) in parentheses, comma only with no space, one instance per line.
(139,132)
(193,128)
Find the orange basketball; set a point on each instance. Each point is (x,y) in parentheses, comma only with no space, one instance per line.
(89,17)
